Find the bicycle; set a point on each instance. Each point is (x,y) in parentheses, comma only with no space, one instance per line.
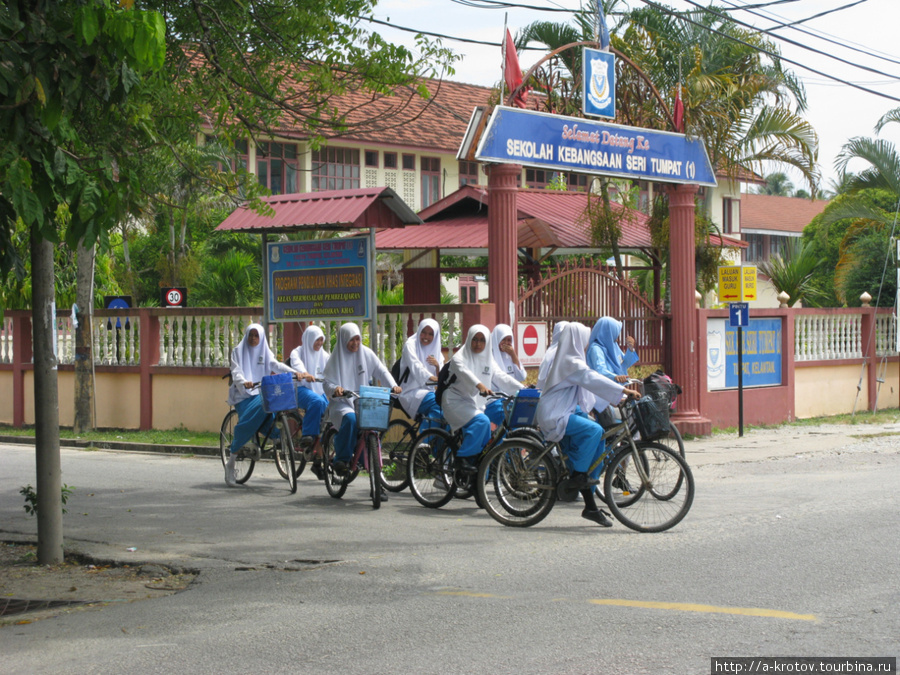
(648,487)
(289,463)
(373,406)
(434,472)
(396,444)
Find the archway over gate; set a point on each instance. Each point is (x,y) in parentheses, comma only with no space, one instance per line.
(513,137)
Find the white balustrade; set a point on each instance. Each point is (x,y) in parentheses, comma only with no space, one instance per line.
(885,335)
(6,340)
(827,337)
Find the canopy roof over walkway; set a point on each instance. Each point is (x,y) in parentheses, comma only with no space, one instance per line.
(378,207)
(549,220)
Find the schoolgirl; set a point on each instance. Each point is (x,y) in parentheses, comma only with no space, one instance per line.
(571,384)
(250,361)
(422,360)
(604,354)
(351,366)
(463,402)
(309,360)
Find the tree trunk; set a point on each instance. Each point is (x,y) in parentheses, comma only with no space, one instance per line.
(46,403)
(84,357)
(126,256)
(614,241)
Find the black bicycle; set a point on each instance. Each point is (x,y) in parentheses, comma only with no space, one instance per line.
(647,486)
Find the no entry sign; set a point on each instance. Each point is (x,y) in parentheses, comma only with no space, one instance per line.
(531,343)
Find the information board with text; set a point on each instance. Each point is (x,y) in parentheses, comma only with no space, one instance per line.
(319,280)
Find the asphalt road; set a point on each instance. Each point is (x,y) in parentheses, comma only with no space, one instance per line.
(791,548)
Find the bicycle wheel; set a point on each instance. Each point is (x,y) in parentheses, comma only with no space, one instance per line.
(516,482)
(430,468)
(396,444)
(661,504)
(284,451)
(673,440)
(243,459)
(372,447)
(336,485)
(294,425)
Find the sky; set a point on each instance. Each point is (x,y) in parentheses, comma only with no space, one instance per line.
(862,32)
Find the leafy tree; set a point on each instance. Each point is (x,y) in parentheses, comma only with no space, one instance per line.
(870,268)
(792,271)
(71,102)
(827,237)
(84,97)
(741,102)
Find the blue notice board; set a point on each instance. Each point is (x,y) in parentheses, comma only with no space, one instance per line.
(762,354)
(319,280)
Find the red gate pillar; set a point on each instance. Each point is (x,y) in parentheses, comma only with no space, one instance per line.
(503,259)
(685,354)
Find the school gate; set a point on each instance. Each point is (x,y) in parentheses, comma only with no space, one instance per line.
(584,292)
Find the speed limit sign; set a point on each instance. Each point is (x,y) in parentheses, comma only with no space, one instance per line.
(174,297)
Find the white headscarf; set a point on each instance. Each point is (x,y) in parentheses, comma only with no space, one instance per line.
(570,360)
(422,352)
(415,358)
(480,365)
(347,369)
(254,361)
(557,329)
(550,354)
(314,361)
(504,360)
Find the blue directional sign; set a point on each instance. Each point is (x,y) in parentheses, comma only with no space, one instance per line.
(738,314)
(532,138)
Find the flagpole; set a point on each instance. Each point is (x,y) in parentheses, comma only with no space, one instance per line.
(503,74)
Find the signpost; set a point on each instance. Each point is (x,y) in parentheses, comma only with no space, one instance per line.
(173,297)
(531,343)
(737,286)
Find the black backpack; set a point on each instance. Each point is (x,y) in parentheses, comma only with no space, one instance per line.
(445,379)
(660,383)
(395,372)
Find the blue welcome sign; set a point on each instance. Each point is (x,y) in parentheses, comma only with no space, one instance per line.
(599,90)
(546,141)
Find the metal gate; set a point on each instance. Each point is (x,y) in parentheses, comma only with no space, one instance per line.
(584,291)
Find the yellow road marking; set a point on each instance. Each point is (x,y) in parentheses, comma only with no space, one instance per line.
(469,594)
(708,609)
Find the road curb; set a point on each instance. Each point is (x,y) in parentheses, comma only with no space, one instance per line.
(205,450)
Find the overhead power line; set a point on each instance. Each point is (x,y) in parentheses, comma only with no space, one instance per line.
(712,11)
(819,35)
(682,16)
(781,57)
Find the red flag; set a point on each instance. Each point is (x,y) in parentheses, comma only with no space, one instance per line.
(679,111)
(512,71)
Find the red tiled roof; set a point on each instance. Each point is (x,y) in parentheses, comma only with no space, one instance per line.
(406,119)
(778,214)
(547,218)
(333,209)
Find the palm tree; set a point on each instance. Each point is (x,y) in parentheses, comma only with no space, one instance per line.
(881,175)
(232,280)
(792,272)
(777,184)
(743,105)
